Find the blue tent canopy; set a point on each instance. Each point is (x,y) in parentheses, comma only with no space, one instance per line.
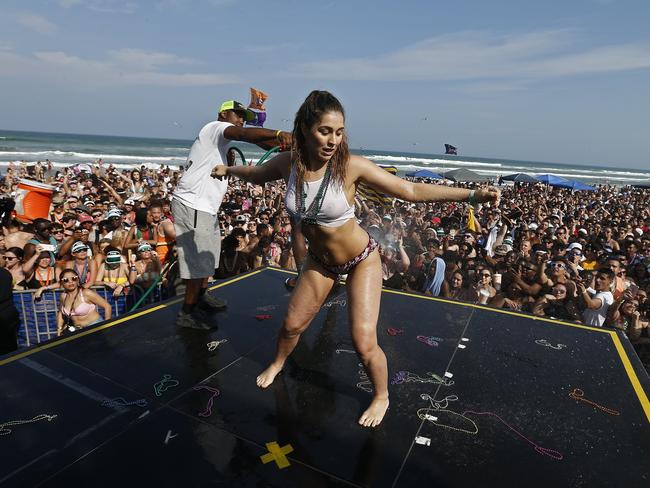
(560,182)
(554,180)
(425,173)
(579,186)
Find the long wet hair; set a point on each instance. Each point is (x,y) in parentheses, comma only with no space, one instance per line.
(310,112)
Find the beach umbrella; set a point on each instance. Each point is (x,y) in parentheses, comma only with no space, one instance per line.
(425,173)
(463,174)
(520,178)
(554,180)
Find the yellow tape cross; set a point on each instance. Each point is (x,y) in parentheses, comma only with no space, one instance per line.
(277,454)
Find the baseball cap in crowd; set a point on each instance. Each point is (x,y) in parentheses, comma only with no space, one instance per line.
(83,208)
(129,201)
(89,202)
(235,106)
(539,248)
(113,257)
(435,220)
(508,241)
(72,198)
(240,218)
(78,247)
(440,231)
(574,245)
(144,247)
(85,218)
(532,226)
(114,212)
(583,232)
(639,231)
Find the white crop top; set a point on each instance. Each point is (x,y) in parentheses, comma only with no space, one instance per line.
(335,210)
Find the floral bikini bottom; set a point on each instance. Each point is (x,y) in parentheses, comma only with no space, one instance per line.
(345,268)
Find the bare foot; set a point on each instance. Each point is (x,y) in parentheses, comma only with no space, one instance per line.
(374,414)
(267,376)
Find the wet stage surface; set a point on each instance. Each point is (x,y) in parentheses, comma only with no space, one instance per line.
(478,398)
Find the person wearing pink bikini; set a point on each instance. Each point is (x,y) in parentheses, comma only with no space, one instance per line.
(322,178)
(78,305)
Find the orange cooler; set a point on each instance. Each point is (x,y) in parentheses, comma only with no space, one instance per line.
(33,200)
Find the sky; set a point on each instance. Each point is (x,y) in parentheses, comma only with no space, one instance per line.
(547,80)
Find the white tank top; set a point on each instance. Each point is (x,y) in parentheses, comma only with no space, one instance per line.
(335,210)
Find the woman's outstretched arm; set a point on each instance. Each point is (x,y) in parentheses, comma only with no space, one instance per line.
(271,171)
(375,177)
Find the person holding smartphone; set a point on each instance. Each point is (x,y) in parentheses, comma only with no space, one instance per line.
(42,237)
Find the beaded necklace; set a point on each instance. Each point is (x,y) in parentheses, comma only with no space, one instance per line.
(40,275)
(309,216)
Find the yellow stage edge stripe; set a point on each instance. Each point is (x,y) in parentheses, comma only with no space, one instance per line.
(636,384)
(63,340)
(498,310)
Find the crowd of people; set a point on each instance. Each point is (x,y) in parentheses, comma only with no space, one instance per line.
(575,256)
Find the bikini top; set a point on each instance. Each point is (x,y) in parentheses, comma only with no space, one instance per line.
(335,209)
(83,309)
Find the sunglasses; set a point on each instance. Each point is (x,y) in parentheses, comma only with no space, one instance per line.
(10,258)
(486,275)
(71,279)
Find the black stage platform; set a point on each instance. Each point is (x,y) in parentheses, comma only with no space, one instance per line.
(480,398)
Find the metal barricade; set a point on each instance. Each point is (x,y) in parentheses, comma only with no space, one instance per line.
(38,318)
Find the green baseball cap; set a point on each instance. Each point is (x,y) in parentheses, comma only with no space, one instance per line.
(234,105)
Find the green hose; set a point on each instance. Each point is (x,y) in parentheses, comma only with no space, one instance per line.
(162,274)
(262,159)
(267,154)
(241,154)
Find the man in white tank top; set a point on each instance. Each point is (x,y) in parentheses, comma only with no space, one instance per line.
(196,202)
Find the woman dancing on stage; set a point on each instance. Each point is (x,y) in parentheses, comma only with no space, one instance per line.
(322,179)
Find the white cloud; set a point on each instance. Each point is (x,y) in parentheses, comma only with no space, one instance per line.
(36,23)
(476,56)
(124,67)
(103,6)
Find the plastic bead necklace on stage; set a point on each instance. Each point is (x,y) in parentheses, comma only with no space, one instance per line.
(309,216)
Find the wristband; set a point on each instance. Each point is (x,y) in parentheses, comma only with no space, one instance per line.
(277,135)
(471,198)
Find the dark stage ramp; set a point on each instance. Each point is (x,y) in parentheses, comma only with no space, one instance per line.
(478,398)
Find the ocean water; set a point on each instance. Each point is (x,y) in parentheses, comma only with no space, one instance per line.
(66,149)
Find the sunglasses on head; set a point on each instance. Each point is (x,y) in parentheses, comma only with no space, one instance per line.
(69,279)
